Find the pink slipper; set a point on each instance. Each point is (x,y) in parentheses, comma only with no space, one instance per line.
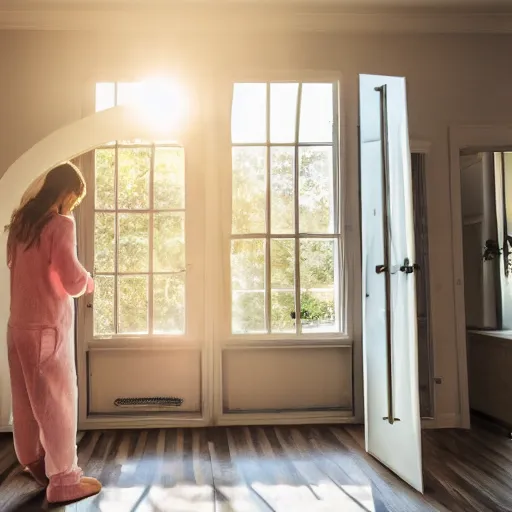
(71,487)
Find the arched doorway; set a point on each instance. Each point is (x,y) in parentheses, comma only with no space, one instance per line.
(119,123)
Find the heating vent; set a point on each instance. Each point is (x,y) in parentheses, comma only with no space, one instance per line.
(157,401)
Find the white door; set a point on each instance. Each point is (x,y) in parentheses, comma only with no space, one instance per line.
(392,409)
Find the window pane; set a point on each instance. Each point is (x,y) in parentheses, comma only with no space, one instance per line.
(283,112)
(283,312)
(282,190)
(249,190)
(248,285)
(169,178)
(249,113)
(104,242)
(169,304)
(169,242)
(133,304)
(317,280)
(104,305)
(133,180)
(248,312)
(105,179)
(133,252)
(316,113)
(282,255)
(105,96)
(316,197)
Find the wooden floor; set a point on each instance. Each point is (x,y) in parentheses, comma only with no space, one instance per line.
(282,469)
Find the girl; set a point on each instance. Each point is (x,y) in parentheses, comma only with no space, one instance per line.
(45,275)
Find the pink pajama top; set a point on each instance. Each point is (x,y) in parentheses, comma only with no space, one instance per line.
(46,276)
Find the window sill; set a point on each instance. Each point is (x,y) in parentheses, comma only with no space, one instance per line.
(253,342)
(142,343)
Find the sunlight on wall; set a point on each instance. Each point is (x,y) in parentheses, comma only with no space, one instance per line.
(162,102)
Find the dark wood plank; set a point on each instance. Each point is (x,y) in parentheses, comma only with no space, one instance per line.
(272,469)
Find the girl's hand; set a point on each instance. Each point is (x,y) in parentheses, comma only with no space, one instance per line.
(90,285)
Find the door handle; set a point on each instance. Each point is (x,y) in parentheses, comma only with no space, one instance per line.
(407,268)
(384,268)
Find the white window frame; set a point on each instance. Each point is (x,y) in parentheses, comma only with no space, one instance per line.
(347,257)
(194,250)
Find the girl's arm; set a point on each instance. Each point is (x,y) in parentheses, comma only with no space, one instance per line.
(73,276)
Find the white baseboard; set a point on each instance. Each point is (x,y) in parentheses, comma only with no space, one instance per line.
(448,420)
(233,419)
(141,422)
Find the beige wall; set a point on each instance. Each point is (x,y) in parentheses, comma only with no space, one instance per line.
(451,80)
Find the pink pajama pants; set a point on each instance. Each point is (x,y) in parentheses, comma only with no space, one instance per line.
(44,399)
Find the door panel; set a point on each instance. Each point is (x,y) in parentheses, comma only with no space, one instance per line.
(392,413)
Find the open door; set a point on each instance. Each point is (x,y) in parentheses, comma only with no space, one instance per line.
(392,408)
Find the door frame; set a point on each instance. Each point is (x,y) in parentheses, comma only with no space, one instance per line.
(463,137)
(423,147)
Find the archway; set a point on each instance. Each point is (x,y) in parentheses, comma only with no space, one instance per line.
(119,123)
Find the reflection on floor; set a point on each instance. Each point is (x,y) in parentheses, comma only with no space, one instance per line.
(282,469)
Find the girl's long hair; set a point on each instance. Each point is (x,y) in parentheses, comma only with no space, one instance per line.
(28,222)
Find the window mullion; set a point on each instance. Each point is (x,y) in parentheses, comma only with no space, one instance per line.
(339,262)
(336,178)
(151,240)
(268,281)
(116,237)
(298,323)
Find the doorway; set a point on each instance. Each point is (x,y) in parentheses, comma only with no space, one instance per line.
(486,205)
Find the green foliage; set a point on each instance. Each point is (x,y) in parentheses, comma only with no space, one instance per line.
(132,231)
(317,256)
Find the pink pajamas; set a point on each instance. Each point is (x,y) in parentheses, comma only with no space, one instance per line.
(41,351)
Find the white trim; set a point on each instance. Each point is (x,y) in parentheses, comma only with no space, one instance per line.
(287,418)
(262,343)
(423,147)
(464,137)
(420,146)
(227,419)
(349,227)
(104,422)
(250,19)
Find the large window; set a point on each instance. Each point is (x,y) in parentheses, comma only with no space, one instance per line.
(139,232)
(286,270)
